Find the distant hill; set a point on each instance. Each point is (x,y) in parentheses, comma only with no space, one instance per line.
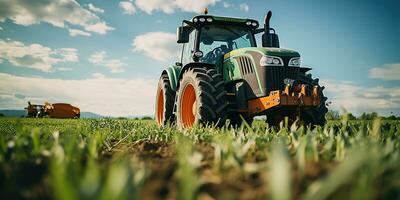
(90,115)
(13,113)
(20,113)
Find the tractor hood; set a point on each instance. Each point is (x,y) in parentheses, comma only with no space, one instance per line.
(245,64)
(276,52)
(280,52)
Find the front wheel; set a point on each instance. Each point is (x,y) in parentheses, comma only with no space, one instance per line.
(164,101)
(201,98)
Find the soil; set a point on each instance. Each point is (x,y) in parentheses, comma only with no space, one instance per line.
(231,183)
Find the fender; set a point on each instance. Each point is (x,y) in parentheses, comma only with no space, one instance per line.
(172,72)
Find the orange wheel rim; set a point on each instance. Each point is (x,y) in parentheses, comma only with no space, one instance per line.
(188,106)
(160,107)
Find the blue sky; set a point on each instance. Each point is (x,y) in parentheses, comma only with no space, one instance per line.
(105,56)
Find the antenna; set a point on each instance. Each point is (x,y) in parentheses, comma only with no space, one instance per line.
(206,11)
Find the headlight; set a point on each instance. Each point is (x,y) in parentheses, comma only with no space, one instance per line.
(202,19)
(295,62)
(209,19)
(248,23)
(254,24)
(271,61)
(195,20)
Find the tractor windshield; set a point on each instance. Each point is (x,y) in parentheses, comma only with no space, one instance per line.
(217,40)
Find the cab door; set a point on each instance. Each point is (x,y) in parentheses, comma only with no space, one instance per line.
(188,49)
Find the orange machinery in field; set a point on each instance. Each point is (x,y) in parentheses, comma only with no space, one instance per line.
(61,110)
(55,110)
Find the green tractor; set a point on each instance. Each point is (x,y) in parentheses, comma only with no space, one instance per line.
(223,75)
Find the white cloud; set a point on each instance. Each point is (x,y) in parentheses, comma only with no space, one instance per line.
(358,99)
(166,6)
(98,75)
(106,96)
(170,6)
(94,8)
(64,68)
(100,58)
(77,32)
(68,54)
(157,45)
(114,65)
(100,28)
(127,7)
(35,56)
(244,7)
(386,72)
(194,5)
(227,4)
(55,12)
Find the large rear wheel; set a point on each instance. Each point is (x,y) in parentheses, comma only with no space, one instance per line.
(164,102)
(201,98)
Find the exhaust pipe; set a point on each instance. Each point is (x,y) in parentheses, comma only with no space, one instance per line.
(269,39)
(266,37)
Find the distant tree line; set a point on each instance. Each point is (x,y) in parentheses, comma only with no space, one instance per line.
(137,118)
(334,115)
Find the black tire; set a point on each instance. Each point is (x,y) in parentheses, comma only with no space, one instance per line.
(210,105)
(164,105)
(316,115)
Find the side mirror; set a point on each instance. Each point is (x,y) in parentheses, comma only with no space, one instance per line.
(183,34)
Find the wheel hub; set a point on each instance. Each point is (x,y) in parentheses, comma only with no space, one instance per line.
(188,106)
(160,107)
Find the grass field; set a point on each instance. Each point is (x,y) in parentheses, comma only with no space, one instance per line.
(133,159)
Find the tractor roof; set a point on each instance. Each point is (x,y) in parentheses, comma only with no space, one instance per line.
(224,20)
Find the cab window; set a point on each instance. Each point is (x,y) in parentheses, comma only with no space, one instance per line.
(188,49)
(217,40)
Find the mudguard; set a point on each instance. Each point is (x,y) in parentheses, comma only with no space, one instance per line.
(173,73)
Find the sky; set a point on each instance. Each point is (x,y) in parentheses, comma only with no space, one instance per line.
(105,56)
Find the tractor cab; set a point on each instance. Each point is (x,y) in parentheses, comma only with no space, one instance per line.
(208,38)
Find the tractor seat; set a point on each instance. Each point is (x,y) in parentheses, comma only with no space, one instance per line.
(224,49)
